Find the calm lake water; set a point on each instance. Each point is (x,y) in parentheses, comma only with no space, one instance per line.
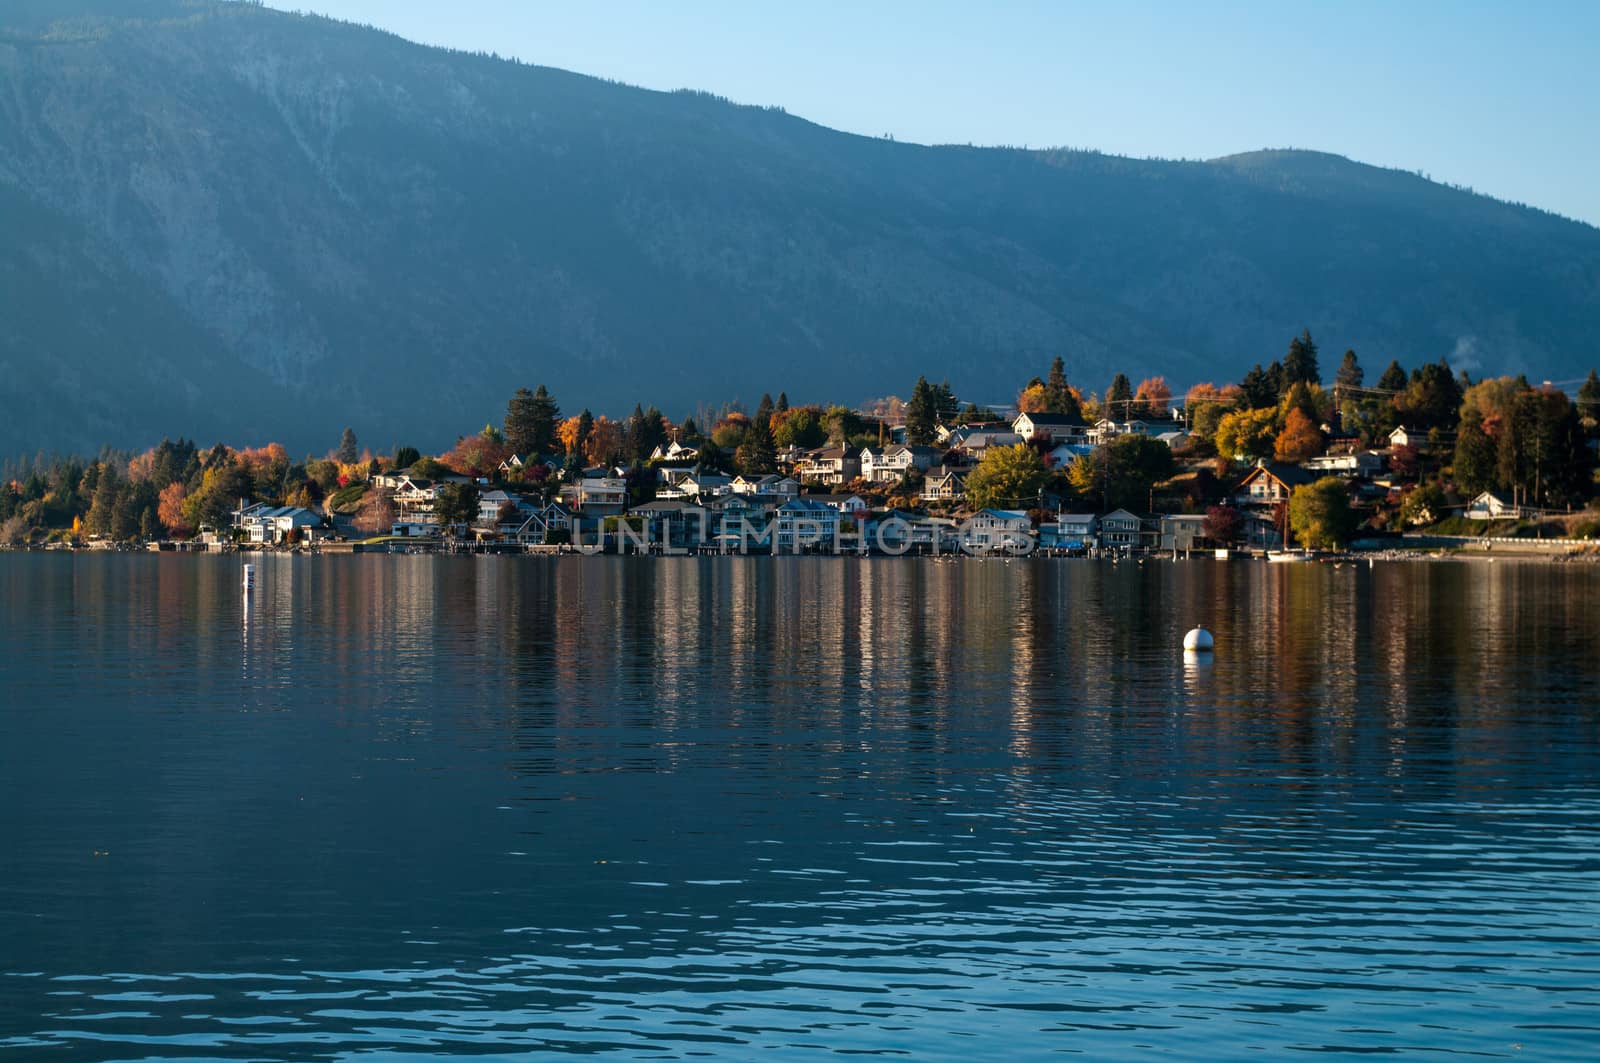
(782,809)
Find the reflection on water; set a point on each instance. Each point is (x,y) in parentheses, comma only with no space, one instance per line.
(789,807)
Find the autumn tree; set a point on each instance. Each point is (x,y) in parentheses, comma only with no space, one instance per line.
(169,510)
(1246,435)
(1007,477)
(1224,524)
(1152,397)
(1299,440)
(1320,515)
(801,427)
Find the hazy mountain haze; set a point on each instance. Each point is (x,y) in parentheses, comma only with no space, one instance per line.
(233,222)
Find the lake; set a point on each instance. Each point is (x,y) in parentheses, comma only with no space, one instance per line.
(791,808)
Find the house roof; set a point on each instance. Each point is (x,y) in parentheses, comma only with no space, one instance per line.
(1283,472)
(1051,420)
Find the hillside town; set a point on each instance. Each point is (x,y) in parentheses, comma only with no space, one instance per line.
(1274,462)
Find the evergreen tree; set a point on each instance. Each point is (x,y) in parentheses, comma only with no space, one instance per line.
(585,429)
(757,455)
(348,451)
(1119,398)
(1589,404)
(544,415)
(405,457)
(1393,378)
(519,422)
(652,432)
(945,403)
(1058,393)
(764,410)
(689,432)
(921,414)
(1300,363)
(1476,459)
(108,490)
(1257,389)
(783,403)
(1278,380)
(1350,373)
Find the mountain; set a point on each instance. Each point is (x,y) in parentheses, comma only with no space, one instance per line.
(231,222)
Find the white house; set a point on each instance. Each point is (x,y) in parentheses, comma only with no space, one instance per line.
(1406,437)
(597,494)
(828,465)
(1490,506)
(272,525)
(1053,426)
(892,463)
(1364,464)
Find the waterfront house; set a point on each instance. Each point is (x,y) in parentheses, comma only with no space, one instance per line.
(1121,530)
(678,524)
(851,507)
(1077,531)
(273,525)
(1183,531)
(993,530)
(805,522)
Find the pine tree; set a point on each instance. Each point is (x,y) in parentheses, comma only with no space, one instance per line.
(1258,388)
(783,403)
(1119,398)
(1393,378)
(945,403)
(585,430)
(1350,373)
(348,451)
(921,414)
(757,455)
(764,410)
(1059,397)
(544,416)
(1300,364)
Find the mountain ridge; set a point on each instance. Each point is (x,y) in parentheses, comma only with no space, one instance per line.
(337,221)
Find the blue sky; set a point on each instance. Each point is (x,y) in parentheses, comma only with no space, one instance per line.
(1504,97)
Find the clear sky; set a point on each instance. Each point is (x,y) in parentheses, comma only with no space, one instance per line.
(1504,97)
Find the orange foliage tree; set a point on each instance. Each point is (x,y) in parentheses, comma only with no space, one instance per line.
(1299,440)
(169,509)
(1152,397)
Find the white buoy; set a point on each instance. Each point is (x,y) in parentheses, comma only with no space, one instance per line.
(249,578)
(1198,639)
